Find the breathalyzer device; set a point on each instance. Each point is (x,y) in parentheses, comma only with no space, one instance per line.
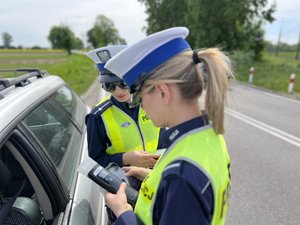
(106,179)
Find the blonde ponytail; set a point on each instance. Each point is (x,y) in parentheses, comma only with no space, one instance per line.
(218,69)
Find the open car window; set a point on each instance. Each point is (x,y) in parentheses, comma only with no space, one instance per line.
(59,137)
(71,103)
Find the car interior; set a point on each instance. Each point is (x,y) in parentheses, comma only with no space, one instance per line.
(17,196)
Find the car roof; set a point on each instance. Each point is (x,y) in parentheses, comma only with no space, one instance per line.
(18,95)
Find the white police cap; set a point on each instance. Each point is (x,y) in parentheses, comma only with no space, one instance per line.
(147,54)
(100,56)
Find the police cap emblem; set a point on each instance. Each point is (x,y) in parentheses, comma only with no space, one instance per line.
(104,55)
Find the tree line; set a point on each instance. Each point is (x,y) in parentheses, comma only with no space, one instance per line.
(228,24)
(102,33)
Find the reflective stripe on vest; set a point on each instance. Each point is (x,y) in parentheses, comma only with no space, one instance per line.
(125,135)
(208,152)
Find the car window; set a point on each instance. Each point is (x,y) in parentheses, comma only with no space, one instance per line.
(71,102)
(60,138)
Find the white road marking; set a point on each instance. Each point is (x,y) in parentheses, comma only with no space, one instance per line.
(282,98)
(267,128)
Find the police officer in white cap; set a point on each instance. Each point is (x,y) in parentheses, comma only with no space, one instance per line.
(190,183)
(116,132)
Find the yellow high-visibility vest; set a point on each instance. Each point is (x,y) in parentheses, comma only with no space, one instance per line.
(207,151)
(125,134)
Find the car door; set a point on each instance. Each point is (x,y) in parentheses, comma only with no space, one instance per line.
(49,144)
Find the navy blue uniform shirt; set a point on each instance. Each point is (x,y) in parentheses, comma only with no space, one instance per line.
(98,140)
(184,194)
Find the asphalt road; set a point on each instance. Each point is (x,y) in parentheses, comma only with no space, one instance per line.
(94,94)
(263,138)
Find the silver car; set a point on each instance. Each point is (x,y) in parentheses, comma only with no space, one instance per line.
(42,141)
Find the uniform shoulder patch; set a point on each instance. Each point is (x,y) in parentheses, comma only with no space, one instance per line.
(99,109)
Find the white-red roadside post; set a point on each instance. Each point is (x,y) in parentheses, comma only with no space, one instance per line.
(251,74)
(291,84)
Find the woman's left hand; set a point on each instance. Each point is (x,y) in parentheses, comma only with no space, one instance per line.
(118,202)
(137,172)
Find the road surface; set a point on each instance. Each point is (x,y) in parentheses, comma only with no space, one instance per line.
(263,137)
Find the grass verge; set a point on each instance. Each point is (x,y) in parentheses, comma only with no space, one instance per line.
(272,72)
(77,70)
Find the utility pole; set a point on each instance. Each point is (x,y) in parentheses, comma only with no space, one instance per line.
(278,43)
(298,49)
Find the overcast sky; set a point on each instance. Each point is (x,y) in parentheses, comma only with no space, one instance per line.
(29,21)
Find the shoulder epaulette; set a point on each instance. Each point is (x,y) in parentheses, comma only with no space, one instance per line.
(173,168)
(102,107)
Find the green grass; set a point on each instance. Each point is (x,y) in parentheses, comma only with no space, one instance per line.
(77,70)
(273,72)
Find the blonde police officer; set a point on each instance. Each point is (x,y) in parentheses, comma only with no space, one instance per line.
(116,132)
(190,183)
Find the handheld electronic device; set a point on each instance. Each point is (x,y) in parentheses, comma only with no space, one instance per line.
(119,172)
(106,179)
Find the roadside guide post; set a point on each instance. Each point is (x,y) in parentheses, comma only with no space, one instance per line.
(291,83)
(251,74)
